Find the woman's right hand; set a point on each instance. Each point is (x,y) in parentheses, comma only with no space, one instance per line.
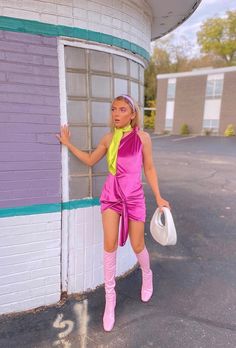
(64,136)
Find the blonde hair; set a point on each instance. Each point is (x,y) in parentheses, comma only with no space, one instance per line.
(136,121)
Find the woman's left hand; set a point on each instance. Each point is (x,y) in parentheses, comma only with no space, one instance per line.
(162,203)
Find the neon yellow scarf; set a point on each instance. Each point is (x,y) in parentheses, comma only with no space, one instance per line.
(113,148)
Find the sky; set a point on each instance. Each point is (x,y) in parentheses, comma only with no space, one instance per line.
(206,9)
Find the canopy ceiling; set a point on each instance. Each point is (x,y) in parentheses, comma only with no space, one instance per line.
(169,14)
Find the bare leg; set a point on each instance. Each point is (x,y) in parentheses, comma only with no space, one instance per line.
(136,235)
(110,221)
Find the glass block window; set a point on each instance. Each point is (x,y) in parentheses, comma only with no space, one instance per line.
(99,61)
(135,90)
(120,65)
(93,79)
(100,112)
(141,94)
(120,86)
(77,111)
(97,134)
(75,58)
(101,86)
(141,74)
(134,70)
(171,89)
(76,84)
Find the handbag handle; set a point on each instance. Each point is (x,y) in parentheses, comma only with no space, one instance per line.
(158,218)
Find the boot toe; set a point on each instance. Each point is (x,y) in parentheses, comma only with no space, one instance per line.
(108,321)
(108,326)
(109,312)
(146,295)
(147,287)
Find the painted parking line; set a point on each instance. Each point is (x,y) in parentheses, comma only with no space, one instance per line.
(160,136)
(185,138)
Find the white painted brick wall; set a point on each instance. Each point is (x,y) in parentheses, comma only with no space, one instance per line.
(83,24)
(86,251)
(30,257)
(65,11)
(48,18)
(65,21)
(80,13)
(124,19)
(30,269)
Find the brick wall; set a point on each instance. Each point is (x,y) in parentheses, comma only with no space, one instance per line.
(29,119)
(189,103)
(228,103)
(30,248)
(161,105)
(30,258)
(123,19)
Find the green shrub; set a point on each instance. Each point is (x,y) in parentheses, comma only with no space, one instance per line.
(166,132)
(149,121)
(229,131)
(149,117)
(207,131)
(184,130)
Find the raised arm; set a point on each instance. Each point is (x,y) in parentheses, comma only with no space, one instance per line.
(150,171)
(88,158)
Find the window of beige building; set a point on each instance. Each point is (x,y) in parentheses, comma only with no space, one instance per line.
(169,114)
(170,104)
(171,88)
(214,87)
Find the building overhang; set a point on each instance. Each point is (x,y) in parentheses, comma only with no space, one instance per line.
(169,14)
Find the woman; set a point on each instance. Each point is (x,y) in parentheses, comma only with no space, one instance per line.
(127,149)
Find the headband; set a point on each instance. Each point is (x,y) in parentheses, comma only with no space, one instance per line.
(127,97)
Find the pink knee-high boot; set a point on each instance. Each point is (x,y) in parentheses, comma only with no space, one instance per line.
(110,294)
(147,277)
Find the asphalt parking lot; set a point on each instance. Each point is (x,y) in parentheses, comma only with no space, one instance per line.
(194,303)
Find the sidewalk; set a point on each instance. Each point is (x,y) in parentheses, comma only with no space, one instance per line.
(194,303)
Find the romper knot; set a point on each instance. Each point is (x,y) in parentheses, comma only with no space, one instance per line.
(124,227)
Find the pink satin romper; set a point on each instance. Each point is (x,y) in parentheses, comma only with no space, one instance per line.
(123,192)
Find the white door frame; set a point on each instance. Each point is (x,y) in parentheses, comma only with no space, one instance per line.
(62,42)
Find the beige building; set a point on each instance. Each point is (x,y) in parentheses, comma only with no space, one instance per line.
(204,99)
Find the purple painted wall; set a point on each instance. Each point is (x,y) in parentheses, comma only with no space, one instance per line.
(30,160)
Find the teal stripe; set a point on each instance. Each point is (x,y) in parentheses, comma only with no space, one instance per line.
(48,208)
(81,203)
(40,28)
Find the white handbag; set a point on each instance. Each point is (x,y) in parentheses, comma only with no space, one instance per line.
(163,234)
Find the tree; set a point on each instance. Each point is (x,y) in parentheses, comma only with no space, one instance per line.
(218,36)
(150,82)
(168,56)
(159,63)
(217,39)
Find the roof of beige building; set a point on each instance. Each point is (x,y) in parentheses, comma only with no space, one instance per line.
(196,72)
